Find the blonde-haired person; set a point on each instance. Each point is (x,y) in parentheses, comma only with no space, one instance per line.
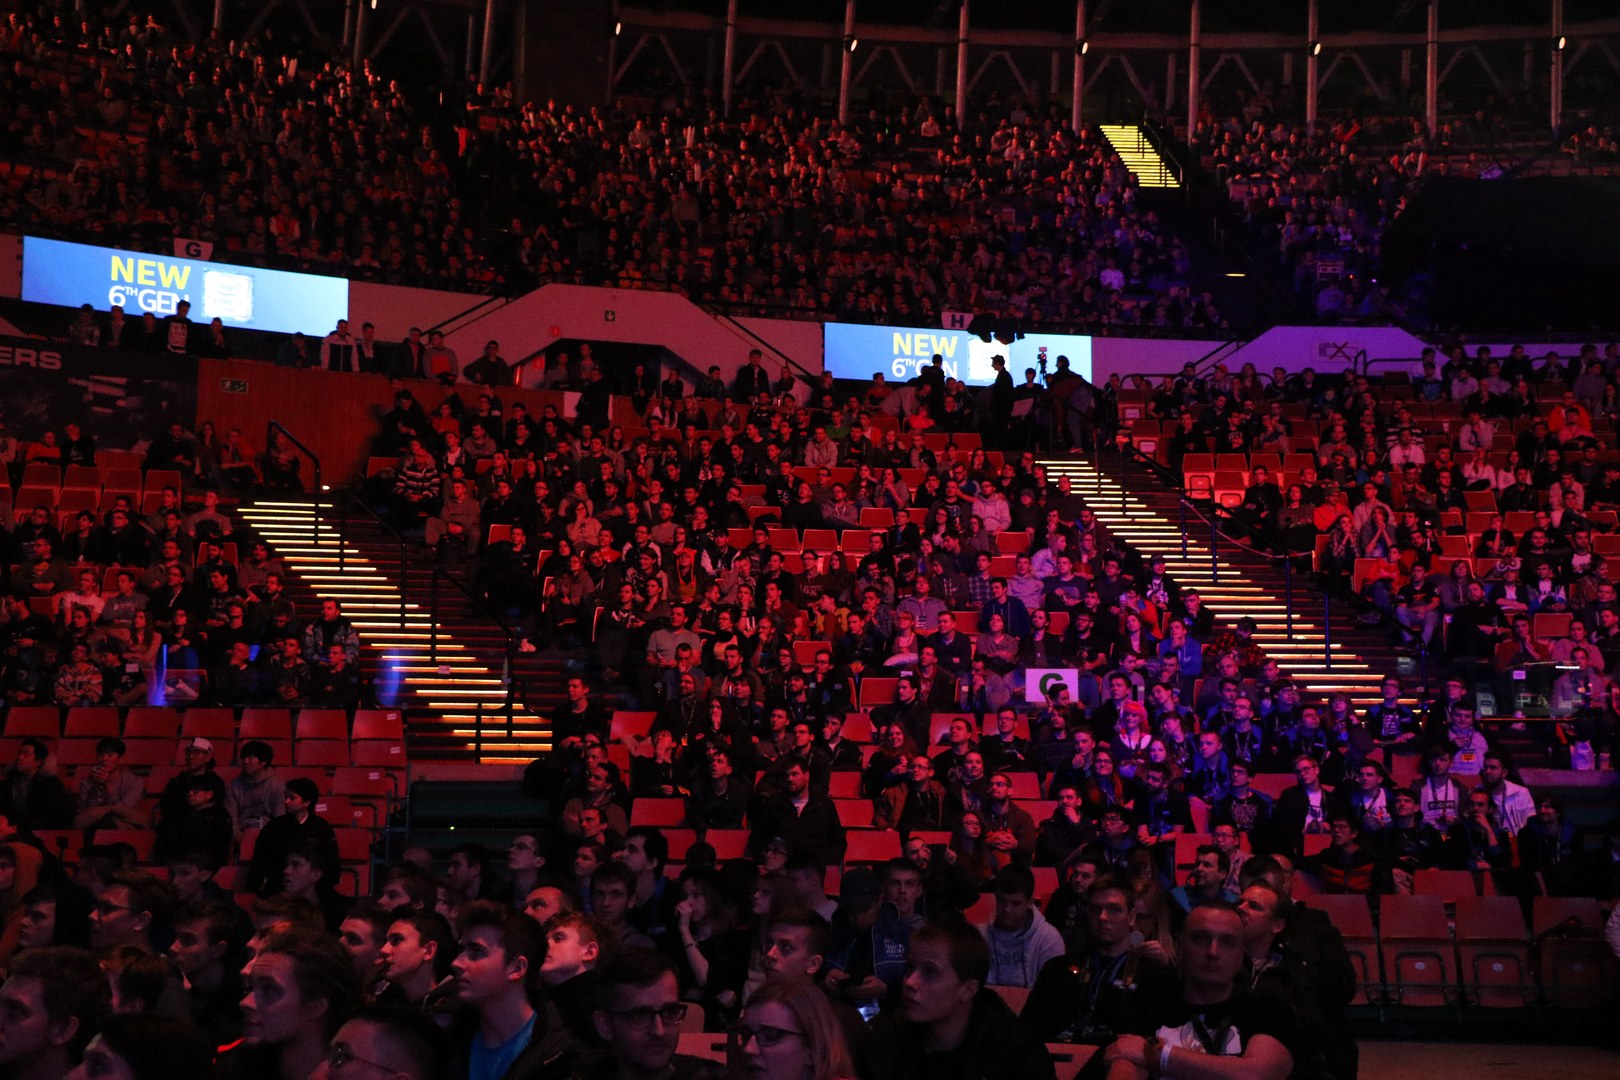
(788,1031)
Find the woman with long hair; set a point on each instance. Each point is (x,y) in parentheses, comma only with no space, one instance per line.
(769,893)
(1105,789)
(967,851)
(713,963)
(789,1032)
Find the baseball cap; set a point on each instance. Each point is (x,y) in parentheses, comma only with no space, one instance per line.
(200,744)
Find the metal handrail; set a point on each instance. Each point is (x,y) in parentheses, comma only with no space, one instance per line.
(1328,586)
(270,429)
(341,500)
(1201,365)
(436,573)
(763,345)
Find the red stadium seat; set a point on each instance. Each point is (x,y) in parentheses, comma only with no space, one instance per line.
(1493,947)
(322,724)
(1353,920)
(1575,965)
(658,812)
(1417,950)
(872,846)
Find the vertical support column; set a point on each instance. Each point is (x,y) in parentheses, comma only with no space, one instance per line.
(1431,72)
(360,31)
(846,69)
(487,57)
(472,45)
(219,17)
(1555,95)
(1170,69)
(1079,63)
(1313,63)
(961,67)
(728,64)
(1195,44)
(612,55)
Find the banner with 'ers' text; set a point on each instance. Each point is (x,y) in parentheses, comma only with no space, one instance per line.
(852,351)
(55,272)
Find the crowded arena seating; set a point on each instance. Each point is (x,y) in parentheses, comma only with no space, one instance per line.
(871,732)
(113,120)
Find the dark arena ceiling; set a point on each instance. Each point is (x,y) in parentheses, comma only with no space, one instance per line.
(1126,16)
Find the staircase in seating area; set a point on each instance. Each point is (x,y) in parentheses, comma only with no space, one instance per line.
(1140,156)
(1140,509)
(441,700)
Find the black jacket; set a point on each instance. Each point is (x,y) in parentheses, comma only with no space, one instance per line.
(816,834)
(550,1054)
(997,1047)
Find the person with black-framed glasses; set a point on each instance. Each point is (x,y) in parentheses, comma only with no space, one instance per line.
(382,1041)
(638,1017)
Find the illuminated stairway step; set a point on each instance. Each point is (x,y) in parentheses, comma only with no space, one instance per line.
(397,630)
(1299,652)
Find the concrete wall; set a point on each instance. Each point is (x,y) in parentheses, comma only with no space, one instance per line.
(531,323)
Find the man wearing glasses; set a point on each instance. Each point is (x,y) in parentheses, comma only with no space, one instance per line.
(640,1019)
(391,1040)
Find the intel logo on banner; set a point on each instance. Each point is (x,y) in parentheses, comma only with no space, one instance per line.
(240,296)
(853,351)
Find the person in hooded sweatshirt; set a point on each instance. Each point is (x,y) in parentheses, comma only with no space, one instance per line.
(1021,940)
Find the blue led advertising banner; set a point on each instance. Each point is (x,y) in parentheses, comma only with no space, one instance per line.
(55,272)
(854,352)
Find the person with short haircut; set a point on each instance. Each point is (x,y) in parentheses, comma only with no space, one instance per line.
(613,889)
(389,1041)
(30,796)
(1206,883)
(807,820)
(638,1018)
(53,1000)
(174,804)
(127,909)
(467,875)
(301,987)
(1265,912)
(414,958)
(548,899)
(652,906)
(362,932)
(55,913)
(256,794)
(408,886)
(146,1048)
(140,981)
(950,1022)
(574,947)
(500,1033)
(1021,940)
(306,874)
(205,937)
(1084,996)
(109,796)
(206,827)
(300,820)
(1213,1027)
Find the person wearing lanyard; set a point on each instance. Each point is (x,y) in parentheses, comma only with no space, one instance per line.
(1214,1027)
(1083,997)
